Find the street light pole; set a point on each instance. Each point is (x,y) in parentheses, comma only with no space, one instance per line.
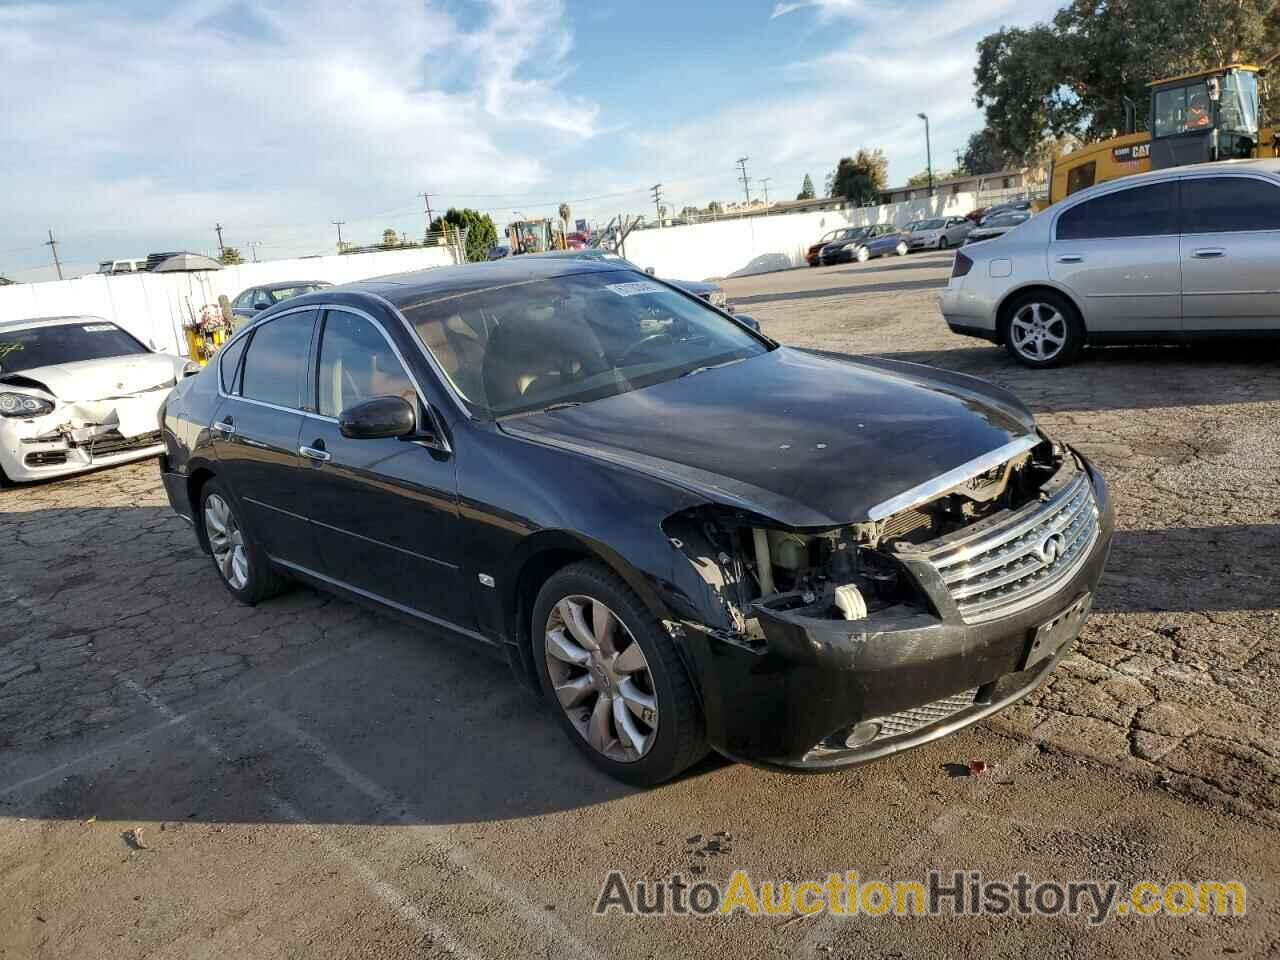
(928,149)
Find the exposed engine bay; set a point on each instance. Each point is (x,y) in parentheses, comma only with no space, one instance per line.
(851,572)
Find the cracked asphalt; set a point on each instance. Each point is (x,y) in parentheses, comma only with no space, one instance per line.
(181,776)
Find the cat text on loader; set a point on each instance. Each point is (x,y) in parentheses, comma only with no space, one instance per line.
(1196,118)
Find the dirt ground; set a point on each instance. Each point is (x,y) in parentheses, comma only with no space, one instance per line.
(181,776)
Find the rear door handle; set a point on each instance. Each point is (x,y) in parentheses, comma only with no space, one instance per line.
(225,426)
(1071,258)
(315,453)
(1209,253)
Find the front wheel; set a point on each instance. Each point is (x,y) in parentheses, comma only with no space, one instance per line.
(902,249)
(613,675)
(1043,330)
(942,243)
(863,255)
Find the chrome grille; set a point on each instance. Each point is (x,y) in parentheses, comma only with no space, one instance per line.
(1000,571)
(905,721)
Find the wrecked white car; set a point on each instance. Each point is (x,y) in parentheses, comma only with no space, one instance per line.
(78,393)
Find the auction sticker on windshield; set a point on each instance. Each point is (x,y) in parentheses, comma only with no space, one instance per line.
(635,287)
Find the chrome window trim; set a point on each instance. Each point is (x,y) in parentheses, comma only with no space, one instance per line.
(940,484)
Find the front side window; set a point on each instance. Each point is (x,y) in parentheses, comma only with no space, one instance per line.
(1148,211)
(85,339)
(275,363)
(1183,110)
(573,339)
(357,364)
(1229,205)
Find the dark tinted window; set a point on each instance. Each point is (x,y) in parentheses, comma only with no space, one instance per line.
(228,360)
(276,362)
(357,364)
(86,339)
(1225,204)
(1080,177)
(1138,212)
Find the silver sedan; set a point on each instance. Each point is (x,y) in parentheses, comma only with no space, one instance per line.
(1170,255)
(939,233)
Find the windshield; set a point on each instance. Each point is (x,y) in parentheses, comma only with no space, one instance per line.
(64,343)
(1005,220)
(851,233)
(528,346)
(285,293)
(930,225)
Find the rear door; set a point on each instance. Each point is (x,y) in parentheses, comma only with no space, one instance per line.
(1230,253)
(384,511)
(256,429)
(1118,253)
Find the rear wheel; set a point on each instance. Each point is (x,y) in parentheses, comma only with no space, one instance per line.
(863,254)
(241,564)
(902,249)
(1042,330)
(942,243)
(614,677)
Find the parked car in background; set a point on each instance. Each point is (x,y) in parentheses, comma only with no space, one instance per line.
(841,247)
(256,299)
(499,250)
(112,267)
(996,225)
(713,293)
(939,233)
(977,215)
(647,509)
(1170,255)
(876,241)
(813,255)
(78,393)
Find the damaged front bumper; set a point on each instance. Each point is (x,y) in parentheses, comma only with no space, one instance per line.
(77,437)
(822,693)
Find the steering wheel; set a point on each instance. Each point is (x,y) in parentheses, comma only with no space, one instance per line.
(622,360)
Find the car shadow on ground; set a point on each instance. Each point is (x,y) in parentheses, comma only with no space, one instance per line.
(1119,378)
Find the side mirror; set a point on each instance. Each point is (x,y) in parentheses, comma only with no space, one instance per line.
(747,320)
(261,306)
(378,419)
(649,271)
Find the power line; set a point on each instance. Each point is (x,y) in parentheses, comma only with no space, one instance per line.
(657,200)
(746,181)
(53,245)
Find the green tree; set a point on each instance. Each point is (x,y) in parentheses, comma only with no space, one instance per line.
(861,178)
(982,153)
(1071,76)
(230,256)
(389,239)
(715,208)
(921,179)
(481,233)
(806,189)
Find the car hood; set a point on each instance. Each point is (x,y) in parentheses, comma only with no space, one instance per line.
(804,439)
(101,379)
(698,288)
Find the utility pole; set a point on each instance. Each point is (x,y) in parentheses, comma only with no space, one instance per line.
(657,201)
(218,227)
(765,184)
(338,224)
(928,149)
(253,246)
(52,244)
(426,198)
(746,181)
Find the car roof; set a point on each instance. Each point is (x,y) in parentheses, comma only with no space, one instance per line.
(435,283)
(34,322)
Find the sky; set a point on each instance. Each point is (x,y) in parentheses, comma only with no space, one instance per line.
(138,125)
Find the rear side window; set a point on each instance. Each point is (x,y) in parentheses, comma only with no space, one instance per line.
(229,362)
(275,363)
(1149,211)
(1229,205)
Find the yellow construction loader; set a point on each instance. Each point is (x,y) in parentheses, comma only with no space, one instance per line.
(1195,118)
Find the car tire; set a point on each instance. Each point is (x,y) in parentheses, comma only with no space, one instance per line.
(863,255)
(1042,329)
(942,243)
(902,249)
(245,572)
(583,686)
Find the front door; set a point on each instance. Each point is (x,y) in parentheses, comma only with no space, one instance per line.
(256,429)
(384,511)
(1230,253)
(1118,254)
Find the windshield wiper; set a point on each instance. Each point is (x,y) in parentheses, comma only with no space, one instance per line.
(712,366)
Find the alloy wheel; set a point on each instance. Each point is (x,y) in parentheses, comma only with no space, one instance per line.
(226,541)
(902,248)
(601,678)
(1038,332)
(863,254)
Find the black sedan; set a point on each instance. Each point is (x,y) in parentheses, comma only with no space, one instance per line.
(685,535)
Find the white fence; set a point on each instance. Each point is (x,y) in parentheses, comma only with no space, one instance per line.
(154,306)
(738,248)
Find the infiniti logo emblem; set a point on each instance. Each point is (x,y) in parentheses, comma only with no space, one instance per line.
(1050,548)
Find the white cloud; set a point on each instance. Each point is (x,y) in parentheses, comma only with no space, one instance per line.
(127,130)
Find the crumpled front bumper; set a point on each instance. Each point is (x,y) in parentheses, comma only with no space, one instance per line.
(923,677)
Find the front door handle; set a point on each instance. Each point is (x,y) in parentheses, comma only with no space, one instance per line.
(318,454)
(1209,253)
(225,426)
(1071,258)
